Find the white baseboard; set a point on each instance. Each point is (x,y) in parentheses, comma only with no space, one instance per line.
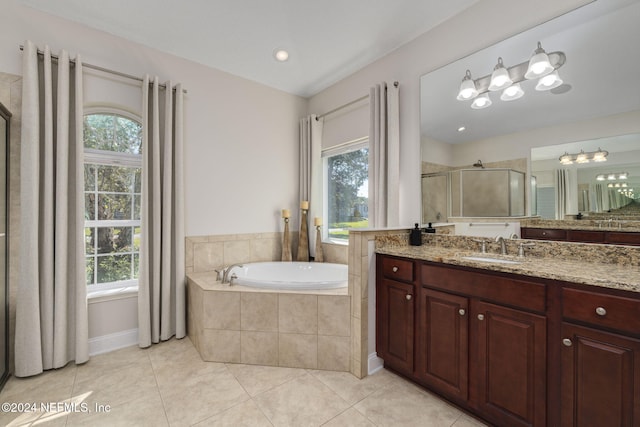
(375,363)
(111,342)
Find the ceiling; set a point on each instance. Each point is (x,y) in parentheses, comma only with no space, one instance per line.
(327,40)
(601,73)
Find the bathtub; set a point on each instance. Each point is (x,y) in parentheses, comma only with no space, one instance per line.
(291,275)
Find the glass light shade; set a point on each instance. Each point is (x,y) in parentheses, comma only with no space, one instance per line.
(539,64)
(566,159)
(610,185)
(600,177)
(611,177)
(600,155)
(549,81)
(617,185)
(623,175)
(467,90)
(512,93)
(500,77)
(582,158)
(482,101)
(624,185)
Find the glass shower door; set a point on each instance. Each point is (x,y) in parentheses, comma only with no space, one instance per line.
(4,303)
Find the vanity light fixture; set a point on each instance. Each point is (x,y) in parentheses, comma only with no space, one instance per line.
(585,157)
(540,66)
(512,93)
(467,88)
(482,101)
(500,77)
(612,176)
(548,82)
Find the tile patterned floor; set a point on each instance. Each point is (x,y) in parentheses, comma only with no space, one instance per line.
(169,385)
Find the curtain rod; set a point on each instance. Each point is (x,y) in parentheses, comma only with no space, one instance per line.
(348,104)
(104,70)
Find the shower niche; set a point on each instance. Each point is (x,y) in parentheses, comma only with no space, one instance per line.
(490,192)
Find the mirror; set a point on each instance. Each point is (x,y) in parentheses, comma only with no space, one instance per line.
(598,103)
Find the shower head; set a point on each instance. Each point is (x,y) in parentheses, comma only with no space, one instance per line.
(478,164)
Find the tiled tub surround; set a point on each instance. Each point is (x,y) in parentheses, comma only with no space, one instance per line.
(297,329)
(590,264)
(209,253)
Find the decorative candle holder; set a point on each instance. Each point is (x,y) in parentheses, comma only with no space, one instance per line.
(303,238)
(286,243)
(319,254)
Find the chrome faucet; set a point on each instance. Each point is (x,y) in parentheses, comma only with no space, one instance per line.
(227,271)
(503,245)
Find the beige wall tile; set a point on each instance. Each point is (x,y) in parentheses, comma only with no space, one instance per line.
(333,353)
(188,252)
(259,312)
(335,253)
(265,249)
(220,346)
(298,313)
(237,251)
(221,310)
(334,315)
(207,256)
(298,350)
(259,348)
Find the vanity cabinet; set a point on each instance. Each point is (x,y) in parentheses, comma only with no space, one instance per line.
(584,236)
(482,342)
(395,306)
(514,350)
(600,359)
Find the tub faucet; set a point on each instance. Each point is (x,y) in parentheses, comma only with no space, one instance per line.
(503,245)
(225,277)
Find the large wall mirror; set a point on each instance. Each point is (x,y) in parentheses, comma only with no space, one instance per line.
(597,105)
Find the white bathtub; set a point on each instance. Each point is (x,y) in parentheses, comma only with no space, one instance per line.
(291,275)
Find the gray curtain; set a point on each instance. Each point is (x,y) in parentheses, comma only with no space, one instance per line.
(161,287)
(384,156)
(311,171)
(566,192)
(51,305)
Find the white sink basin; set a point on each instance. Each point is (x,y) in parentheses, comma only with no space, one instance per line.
(492,260)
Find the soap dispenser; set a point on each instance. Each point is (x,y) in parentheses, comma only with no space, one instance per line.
(415,238)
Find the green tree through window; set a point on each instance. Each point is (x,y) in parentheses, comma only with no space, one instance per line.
(112,176)
(347,176)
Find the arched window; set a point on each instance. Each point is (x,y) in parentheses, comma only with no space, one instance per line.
(112,191)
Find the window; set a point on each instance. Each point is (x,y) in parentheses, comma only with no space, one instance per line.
(112,191)
(346,189)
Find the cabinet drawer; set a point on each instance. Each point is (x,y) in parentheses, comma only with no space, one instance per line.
(543,233)
(602,310)
(622,238)
(507,291)
(398,269)
(585,236)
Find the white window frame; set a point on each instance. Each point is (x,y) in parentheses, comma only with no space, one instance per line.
(111,158)
(336,150)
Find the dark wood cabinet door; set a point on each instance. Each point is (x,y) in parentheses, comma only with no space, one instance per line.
(395,328)
(442,341)
(600,378)
(510,365)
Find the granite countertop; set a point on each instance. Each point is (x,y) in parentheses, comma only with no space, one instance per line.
(612,276)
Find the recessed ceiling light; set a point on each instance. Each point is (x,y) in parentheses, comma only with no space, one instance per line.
(281,55)
(462,129)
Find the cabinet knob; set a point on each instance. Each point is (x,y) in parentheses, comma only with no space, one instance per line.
(600,311)
(462,312)
(544,233)
(395,269)
(408,297)
(567,342)
(480,316)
